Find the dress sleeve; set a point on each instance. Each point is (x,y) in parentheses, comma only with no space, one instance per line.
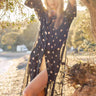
(37,5)
(71,11)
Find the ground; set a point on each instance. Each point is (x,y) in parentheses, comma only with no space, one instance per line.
(11,81)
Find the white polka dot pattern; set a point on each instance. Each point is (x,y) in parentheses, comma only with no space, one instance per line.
(49,41)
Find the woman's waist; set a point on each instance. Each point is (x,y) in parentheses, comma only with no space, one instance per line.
(53,46)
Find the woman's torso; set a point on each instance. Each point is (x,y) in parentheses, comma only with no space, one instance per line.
(56,37)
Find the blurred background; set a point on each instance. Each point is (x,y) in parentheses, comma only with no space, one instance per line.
(19,27)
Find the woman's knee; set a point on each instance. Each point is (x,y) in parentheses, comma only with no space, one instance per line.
(25,93)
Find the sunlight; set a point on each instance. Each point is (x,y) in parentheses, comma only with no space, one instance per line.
(16,16)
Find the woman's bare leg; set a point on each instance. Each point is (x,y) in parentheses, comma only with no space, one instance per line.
(42,67)
(37,85)
(42,93)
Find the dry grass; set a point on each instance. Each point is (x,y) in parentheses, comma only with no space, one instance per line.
(11,81)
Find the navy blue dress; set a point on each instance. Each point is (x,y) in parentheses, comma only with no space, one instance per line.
(49,42)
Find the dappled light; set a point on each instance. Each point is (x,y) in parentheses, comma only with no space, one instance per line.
(22,31)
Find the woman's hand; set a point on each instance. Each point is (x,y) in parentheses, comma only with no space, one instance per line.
(73,2)
(33,3)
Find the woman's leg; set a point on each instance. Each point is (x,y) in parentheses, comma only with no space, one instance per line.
(42,93)
(37,84)
(42,67)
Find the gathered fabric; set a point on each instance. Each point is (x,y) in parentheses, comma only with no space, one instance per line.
(49,43)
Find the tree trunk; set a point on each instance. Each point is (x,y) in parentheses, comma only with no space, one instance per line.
(91,5)
(85,91)
(93,22)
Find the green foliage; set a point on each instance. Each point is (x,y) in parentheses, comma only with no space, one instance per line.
(70,39)
(9,38)
(32,17)
(10,6)
(81,29)
(15,34)
(80,35)
(83,23)
(78,39)
(30,34)
(2,4)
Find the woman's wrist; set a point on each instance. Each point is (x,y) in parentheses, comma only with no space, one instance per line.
(72,2)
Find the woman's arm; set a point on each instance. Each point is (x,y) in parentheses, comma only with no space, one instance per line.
(72,2)
(71,10)
(37,5)
(71,7)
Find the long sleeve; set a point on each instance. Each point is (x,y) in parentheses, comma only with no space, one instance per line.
(71,12)
(37,5)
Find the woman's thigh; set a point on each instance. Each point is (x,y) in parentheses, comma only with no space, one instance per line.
(40,81)
(37,84)
(43,64)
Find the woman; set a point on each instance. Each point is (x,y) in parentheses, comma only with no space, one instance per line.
(47,51)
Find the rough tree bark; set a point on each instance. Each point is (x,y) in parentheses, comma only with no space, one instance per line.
(85,91)
(91,5)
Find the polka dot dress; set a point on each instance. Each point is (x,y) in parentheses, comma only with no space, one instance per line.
(49,42)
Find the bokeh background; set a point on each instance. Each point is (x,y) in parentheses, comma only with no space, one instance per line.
(19,27)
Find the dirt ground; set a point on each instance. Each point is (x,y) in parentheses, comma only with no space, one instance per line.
(11,81)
